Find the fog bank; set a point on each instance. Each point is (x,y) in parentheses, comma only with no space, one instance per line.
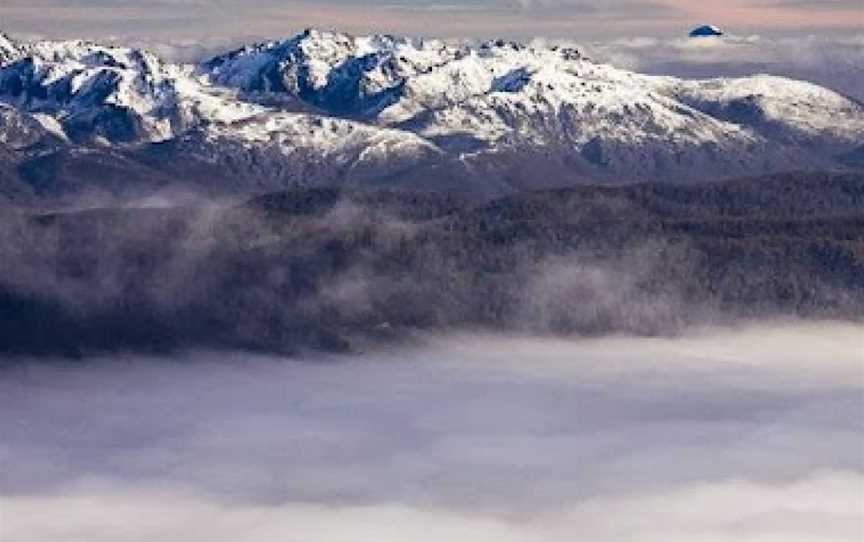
(747,434)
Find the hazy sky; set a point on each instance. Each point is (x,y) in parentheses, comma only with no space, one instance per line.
(580,19)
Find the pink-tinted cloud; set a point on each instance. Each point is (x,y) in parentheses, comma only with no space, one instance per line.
(579,19)
(777,14)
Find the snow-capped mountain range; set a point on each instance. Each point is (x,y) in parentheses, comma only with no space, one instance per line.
(332,108)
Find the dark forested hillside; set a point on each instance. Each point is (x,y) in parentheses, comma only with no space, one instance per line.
(338,269)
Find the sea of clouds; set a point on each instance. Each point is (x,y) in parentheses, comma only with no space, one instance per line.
(834,60)
(720,434)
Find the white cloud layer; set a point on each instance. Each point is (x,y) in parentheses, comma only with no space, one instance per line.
(835,61)
(752,434)
(824,507)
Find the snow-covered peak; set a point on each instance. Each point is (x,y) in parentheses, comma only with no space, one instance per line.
(382,78)
(337,72)
(765,102)
(506,91)
(8,49)
(117,93)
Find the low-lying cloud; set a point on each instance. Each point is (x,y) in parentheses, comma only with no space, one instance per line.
(834,61)
(748,434)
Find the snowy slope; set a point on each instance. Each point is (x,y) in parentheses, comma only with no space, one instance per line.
(777,106)
(100,95)
(332,107)
(506,97)
(117,93)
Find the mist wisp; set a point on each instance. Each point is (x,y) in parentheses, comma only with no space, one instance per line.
(331,269)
